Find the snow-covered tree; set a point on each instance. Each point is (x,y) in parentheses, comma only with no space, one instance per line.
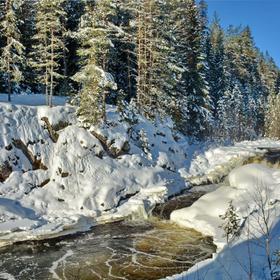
(95,37)
(215,58)
(231,222)
(147,34)
(122,61)
(28,29)
(48,46)
(272,120)
(194,104)
(12,53)
(230,113)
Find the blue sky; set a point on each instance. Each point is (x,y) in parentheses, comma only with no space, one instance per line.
(263,16)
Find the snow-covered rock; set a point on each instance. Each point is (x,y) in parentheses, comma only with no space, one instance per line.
(64,177)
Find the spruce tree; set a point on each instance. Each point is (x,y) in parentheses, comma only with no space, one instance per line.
(12,56)
(95,37)
(231,222)
(215,58)
(193,91)
(241,66)
(122,61)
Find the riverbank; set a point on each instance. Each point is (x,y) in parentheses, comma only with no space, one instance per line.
(58,178)
(254,192)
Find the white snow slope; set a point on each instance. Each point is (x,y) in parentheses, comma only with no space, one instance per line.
(78,181)
(255,192)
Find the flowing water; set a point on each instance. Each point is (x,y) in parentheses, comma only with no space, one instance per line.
(126,250)
(146,250)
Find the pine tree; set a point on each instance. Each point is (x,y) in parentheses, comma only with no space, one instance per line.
(12,57)
(49,44)
(95,37)
(146,57)
(231,222)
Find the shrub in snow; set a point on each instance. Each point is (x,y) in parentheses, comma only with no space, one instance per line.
(231,222)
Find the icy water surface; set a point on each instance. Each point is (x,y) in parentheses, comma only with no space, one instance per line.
(125,250)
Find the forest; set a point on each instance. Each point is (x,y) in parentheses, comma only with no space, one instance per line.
(163,58)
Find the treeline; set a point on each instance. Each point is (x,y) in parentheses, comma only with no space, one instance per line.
(164,56)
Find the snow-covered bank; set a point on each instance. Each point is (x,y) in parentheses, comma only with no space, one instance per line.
(254,191)
(217,162)
(59,177)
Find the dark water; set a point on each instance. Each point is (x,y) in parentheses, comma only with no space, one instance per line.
(164,210)
(125,250)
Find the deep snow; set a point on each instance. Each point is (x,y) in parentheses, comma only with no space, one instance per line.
(254,191)
(78,180)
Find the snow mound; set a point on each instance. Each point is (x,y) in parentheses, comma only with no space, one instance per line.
(254,191)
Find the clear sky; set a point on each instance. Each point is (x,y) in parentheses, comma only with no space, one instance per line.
(263,16)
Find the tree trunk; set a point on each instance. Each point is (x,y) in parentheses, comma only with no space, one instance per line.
(9,87)
(52,69)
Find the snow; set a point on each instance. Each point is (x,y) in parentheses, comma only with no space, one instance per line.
(79,182)
(31,99)
(216,162)
(6,276)
(252,188)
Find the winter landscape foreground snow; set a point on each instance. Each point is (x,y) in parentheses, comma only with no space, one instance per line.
(254,191)
(57,178)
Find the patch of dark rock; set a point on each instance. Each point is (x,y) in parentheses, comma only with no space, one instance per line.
(5,171)
(9,147)
(159,133)
(111,150)
(52,132)
(45,182)
(34,160)
(171,150)
(62,173)
(126,198)
(60,125)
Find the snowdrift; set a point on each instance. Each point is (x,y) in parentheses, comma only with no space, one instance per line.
(254,191)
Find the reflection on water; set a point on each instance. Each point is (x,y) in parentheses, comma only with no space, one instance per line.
(127,250)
